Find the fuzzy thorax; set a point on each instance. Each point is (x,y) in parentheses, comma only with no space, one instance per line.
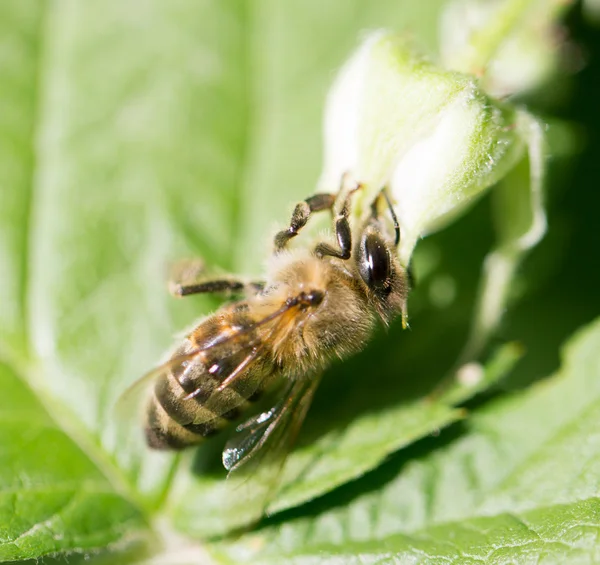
(332,317)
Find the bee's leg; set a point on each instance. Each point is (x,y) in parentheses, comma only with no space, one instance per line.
(189,277)
(390,207)
(380,200)
(341,224)
(216,286)
(300,216)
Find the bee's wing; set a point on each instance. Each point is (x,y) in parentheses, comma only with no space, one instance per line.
(232,358)
(129,409)
(257,452)
(139,388)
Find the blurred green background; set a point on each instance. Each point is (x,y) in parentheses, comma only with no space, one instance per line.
(563,273)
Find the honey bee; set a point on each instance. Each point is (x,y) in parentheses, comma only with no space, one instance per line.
(314,305)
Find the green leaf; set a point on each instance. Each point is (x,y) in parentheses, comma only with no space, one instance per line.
(110,209)
(518,483)
(104,149)
(19,29)
(52,496)
(559,534)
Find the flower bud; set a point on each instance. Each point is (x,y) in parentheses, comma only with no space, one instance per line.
(433,137)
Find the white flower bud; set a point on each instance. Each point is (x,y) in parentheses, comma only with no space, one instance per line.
(393,119)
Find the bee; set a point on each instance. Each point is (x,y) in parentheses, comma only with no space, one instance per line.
(313,306)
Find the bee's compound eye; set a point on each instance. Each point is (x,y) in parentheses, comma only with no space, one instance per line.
(374,262)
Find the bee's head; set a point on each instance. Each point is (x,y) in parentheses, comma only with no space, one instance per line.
(385,280)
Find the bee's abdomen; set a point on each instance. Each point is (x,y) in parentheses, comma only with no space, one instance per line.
(176,422)
(168,425)
(187,404)
(162,432)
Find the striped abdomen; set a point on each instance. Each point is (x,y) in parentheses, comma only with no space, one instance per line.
(187,404)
